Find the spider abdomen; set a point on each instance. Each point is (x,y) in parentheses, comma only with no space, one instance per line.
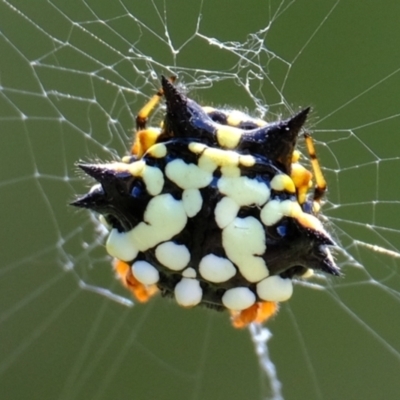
(210,213)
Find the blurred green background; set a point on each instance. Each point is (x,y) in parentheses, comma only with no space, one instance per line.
(72,76)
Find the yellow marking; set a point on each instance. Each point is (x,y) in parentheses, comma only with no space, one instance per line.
(309,272)
(225,211)
(207,164)
(197,148)
(153,179)
(213,158)
(116,166)
(208,109)
(222,157)
(259,122)
(136,168)
(296,156)
(244,191)
(126,159)
(302,180)
(291,209)
(319,177)
(316,207)
(235,118)
(228,136)
(283,182)
(187,176)
(247,161)
(309,221)
(230,171)
(271,213)
(158,150)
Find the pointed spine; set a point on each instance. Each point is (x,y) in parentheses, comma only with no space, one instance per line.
(112,197)
(275,141)
(184,117)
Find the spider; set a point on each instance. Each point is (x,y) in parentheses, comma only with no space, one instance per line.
(213,208)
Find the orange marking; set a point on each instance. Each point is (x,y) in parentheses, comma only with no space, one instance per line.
(301,178)
(266,310)
(141,292)
(259,312)
(243,318)
(144,140)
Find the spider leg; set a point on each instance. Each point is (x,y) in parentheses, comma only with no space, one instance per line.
(320,182)
(146,137)
(145,111)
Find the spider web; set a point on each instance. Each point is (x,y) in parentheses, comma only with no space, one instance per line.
(73,75)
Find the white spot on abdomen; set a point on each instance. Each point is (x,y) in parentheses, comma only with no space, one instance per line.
(225,212)
(238,298)
(271,213)
(275,288)
(173,256)
(192,201)
(189,273)
(120,245)
(187,176)
(244,240)
(228,136)
(244,191)
(158,150)
(153,179)
(216,269)
(282,182)
(145,273)
(164,218)
(188,292)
